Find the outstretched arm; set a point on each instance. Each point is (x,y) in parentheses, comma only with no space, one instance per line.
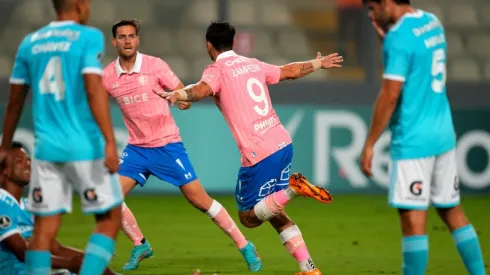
(297,70)
(190,93)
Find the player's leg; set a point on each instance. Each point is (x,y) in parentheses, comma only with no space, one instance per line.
(101,195)
(446,198)
(50,195)
(172,165)
(133,170)
(292,239)
(409,192)
(256,182)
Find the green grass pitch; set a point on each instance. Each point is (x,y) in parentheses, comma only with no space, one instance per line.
(353,235)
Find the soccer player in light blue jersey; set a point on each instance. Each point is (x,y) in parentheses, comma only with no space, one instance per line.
(16,224)
(423,162)
(60,63)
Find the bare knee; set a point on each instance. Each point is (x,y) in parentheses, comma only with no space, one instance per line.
(453,217)
(197,196)
(248,220)
(109,223)
(413,222)
(281,222)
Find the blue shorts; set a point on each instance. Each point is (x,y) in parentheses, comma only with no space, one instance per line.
(169,163)
(268,176)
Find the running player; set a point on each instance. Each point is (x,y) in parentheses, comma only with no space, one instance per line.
(61,64)
(239,87)
(155,146)
(16,224)
(423,160)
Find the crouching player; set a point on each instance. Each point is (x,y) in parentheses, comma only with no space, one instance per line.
(16,224)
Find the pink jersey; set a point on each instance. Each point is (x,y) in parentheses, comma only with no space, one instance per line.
(147,117)
(240,91)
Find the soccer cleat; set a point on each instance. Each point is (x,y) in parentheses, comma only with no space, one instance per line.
(315,271)
(251,257)
(302,187)
(138,254)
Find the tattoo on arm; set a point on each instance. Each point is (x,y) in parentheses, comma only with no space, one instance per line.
(306,68)
(190,94)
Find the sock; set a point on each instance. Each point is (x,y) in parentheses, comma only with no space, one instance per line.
(292,239)
(468,246)
(130,226)
(415,254)
(222,219)
(98,254)
(38,262)
(273,204)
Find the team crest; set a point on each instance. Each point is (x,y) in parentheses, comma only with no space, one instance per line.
(5,222)
(142,80)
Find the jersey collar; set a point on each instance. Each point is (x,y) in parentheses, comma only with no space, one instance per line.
(225,55)
(62,23)
(136,67)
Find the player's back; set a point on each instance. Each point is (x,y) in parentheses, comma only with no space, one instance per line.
(243,98)
(55,57)
(422,124)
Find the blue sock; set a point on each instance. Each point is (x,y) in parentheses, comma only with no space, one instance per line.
(98,254)
(468,246)
(415,254)
(38,262)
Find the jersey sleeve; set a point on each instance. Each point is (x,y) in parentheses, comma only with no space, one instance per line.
(20,70)
(272,73)
(212,77)
(8,224)
(93,53)
(396,58)
(166,77)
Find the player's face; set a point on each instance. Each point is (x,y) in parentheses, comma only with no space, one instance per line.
(126,41)
(381,12)
(83,9)
(21,170)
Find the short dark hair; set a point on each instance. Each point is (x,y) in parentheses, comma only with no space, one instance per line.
(17,145)
(63,5)
(399,2)
(126,22)
(221,34)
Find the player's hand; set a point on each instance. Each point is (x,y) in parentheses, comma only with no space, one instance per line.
(183,105)
(111,158)
(171,97)
(381,33)
(333,60)
(366,160)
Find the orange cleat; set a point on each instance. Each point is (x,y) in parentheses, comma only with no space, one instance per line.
(304,188)
(315,271)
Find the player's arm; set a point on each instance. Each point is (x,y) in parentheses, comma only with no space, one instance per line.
(72,254)
(19,87)
(297,70)
(383,109)
(194,92)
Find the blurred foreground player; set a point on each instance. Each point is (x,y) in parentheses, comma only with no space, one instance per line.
(423,160)
(155,146)
(16,224)
(239,87)
(61,64)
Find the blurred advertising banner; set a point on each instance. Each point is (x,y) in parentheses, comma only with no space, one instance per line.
(327,144)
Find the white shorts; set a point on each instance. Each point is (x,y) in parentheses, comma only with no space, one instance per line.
(417,183)
(52,185)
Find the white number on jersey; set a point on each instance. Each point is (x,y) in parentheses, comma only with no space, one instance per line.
(260,98)
(439,68)
(52,80)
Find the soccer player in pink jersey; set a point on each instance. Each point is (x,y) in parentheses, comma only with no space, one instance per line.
(155,147)
(239,87)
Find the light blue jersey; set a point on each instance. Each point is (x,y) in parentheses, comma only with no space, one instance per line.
(414,51)
(14,219)
(52,62)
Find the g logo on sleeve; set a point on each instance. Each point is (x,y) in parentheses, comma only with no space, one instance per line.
(5,222)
